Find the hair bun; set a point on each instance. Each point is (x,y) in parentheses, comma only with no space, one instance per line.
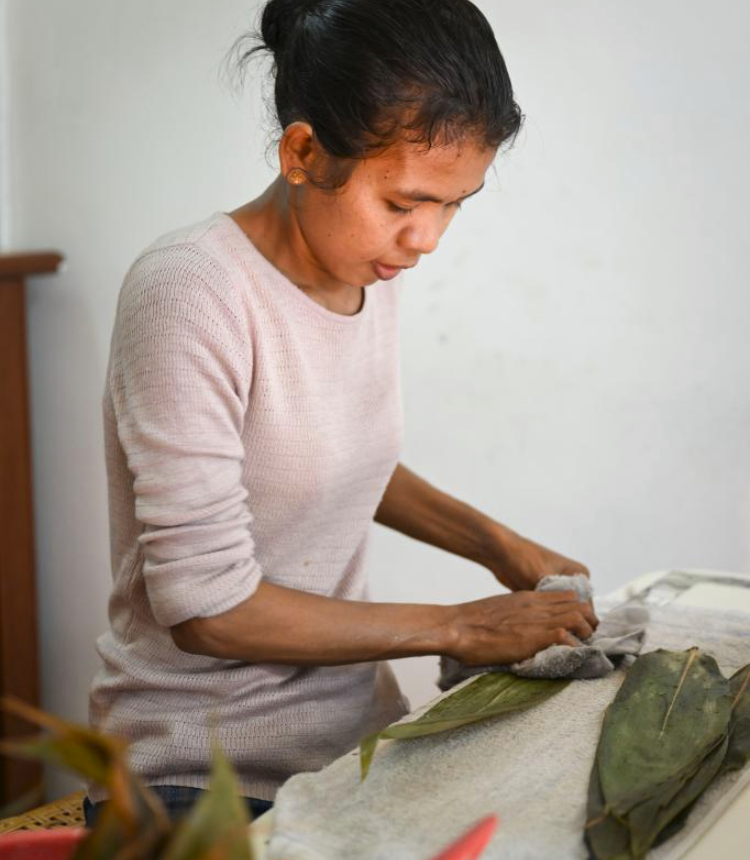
(279,20)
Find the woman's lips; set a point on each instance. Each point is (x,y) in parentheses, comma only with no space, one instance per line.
(386,273)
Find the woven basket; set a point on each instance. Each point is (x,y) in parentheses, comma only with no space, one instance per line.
(65,812)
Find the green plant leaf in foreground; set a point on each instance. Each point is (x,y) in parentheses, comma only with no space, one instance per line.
(663,740)
(489,695)
(87,753)
(134,823)
(216,827)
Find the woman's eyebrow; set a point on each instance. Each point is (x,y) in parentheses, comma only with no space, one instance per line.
(423,197)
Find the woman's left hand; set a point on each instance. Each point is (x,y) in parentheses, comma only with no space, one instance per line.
(519,563)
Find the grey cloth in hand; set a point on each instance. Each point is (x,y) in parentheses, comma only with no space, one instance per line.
(619,636)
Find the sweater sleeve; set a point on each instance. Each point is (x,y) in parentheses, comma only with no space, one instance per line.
(179,378)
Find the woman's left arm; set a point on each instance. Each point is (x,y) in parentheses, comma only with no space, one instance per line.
(417,509)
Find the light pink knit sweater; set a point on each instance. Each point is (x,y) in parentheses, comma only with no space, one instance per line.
(250,433)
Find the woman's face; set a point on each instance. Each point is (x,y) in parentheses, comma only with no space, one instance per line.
(394,208)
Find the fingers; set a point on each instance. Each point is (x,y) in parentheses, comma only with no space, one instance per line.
(575,622)
(518,639)
(563,637)
(507,628)
(540,637)
(570,613)
(588,611)
(559,601)
(569,596)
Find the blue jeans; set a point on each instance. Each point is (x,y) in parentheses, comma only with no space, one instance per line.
(177,800)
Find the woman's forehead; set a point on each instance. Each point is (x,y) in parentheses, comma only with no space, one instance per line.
(440,173)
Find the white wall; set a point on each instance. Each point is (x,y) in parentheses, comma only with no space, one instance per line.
(575,357)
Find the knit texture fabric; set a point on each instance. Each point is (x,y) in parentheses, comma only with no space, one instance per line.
(250,433)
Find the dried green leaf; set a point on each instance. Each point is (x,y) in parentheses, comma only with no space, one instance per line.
(662,742)
(489,695)
(606,835)
(675,813)
(737,746)
(670,712)
(216,828)
(649,820)
(738,752)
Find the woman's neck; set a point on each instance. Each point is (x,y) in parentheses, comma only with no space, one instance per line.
(270,223)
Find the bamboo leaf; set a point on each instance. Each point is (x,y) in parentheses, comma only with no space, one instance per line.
(737,745)
(663,740)
(605,835)
(670,711)
(738,751)
(652,818)
(490,695)
(366,752)
(693,653)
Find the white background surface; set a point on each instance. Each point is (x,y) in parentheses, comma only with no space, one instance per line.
(576,358)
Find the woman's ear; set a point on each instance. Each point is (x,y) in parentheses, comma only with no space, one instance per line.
(298,148)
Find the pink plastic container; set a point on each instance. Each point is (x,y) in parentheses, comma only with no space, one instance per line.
(56,844)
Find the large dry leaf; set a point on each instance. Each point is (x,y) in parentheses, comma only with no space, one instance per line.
(738,753)
(650,820)
(672,709)
(663,741)
(606,835)
(486,696)
(737,745)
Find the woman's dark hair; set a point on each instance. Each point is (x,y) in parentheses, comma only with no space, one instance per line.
(364,73)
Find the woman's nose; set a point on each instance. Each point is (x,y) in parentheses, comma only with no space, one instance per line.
(422,238)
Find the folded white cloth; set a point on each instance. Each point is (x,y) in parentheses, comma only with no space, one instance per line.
(618,637)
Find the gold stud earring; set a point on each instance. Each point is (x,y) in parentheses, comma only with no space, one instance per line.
(296,176)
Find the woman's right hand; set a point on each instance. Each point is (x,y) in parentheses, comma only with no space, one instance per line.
(510,627)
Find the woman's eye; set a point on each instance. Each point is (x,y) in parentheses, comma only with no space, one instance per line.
(398,209)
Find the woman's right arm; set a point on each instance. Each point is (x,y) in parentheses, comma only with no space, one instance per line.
(284,625)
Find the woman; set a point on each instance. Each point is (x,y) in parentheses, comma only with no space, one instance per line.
(253,419)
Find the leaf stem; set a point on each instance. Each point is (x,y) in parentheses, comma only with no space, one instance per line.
(691,659)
